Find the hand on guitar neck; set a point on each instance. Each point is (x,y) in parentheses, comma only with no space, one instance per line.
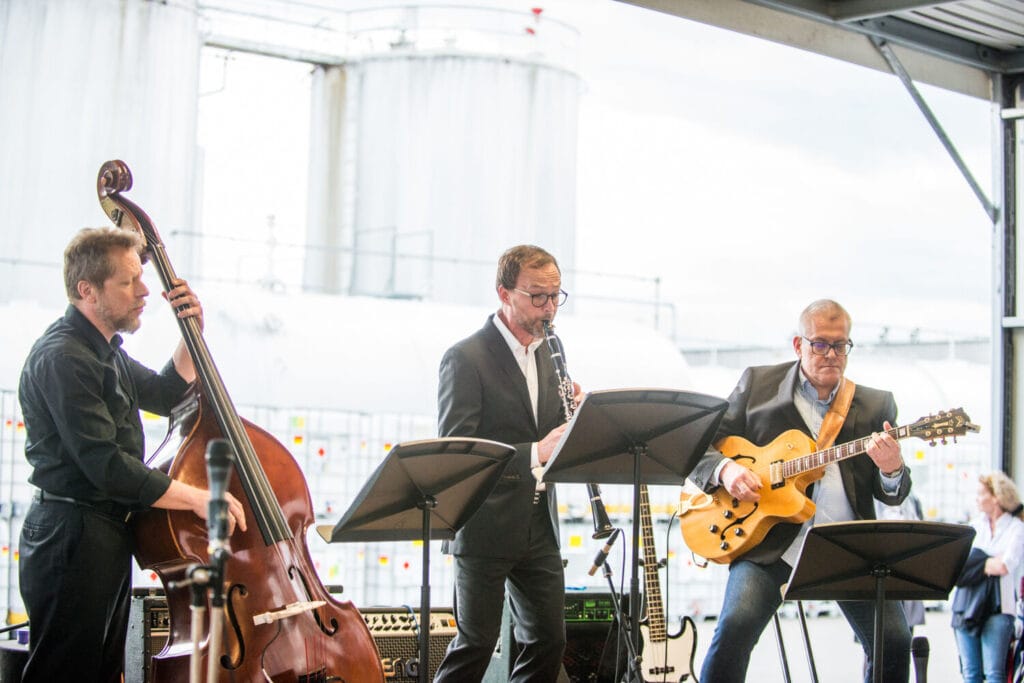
(884,451)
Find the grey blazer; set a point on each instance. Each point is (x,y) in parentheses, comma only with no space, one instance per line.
(482,393)
(761,408)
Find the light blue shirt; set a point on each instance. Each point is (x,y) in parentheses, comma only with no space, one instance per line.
(829,495)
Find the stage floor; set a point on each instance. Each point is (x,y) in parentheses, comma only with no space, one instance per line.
(838,658)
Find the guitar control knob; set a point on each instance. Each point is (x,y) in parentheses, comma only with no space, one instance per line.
(727,514)
(739,531)
(735,502)
(723,546)
(713,528)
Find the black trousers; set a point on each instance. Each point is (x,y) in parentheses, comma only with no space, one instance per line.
(75,573)
(536,588)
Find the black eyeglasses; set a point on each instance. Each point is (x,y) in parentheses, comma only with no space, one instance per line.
(539,300)
(820,348)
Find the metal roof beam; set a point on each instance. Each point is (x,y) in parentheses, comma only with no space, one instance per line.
(847,10)
(894,29)
(813,31)
(901,73)
(933,42)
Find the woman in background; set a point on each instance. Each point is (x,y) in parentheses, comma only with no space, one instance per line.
(1000,535)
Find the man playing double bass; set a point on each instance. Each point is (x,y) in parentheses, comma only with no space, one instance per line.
(80,395)
(797,395)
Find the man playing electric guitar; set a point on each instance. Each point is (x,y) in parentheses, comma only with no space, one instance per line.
(766,402)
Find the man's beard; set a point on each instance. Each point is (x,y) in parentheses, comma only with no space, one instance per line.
(128,323)
(536,328)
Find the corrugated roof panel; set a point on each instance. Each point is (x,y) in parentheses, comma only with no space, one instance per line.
(988,22)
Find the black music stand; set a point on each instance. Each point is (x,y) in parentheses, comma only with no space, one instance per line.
(880,560)
(635,436)
(423,490)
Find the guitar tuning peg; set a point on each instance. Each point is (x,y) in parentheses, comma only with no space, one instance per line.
(931,443)
(943,441)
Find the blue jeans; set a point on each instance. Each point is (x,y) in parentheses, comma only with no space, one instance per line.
(751,598)
(984,651)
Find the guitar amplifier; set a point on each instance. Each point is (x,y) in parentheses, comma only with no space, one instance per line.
(149,624)
(396,633)
(592,638)
(591,634)
(393,630)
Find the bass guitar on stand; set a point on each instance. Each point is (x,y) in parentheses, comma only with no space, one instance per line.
(666,657)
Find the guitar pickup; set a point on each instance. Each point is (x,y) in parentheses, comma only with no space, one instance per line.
(775,476)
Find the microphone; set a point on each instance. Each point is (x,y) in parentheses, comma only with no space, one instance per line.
(602,525)
(218,466)
(919,649)
(602,554)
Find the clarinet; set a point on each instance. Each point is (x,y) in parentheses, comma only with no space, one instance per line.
(602,525)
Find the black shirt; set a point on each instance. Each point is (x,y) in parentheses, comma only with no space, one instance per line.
(80,398)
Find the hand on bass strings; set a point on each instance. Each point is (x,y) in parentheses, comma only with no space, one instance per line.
(236,514)
(181,496)
(740,482)
(186,305)
(185,302)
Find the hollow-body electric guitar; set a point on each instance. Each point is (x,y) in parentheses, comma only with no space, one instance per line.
(720,527)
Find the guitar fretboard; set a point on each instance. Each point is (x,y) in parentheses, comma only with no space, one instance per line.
(812,461)
(655,612)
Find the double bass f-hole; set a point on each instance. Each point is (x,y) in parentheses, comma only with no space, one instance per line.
(269,577)
(293,573)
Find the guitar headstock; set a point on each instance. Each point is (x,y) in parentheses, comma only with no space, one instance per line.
(948,423)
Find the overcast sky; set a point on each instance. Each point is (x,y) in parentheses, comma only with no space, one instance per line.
(755,177)
(750,177)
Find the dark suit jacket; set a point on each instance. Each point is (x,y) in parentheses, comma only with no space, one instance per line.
(482,394)
(761,408)
(977,595)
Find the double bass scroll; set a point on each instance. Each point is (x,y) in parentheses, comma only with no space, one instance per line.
(270,571)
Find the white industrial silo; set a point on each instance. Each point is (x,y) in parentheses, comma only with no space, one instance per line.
(449,135)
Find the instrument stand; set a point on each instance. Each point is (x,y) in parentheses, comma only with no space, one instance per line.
(879,560)
(423,490)
(207,579)
(216,630)
(783,658)
(633,673)
(199,579)
(635,436)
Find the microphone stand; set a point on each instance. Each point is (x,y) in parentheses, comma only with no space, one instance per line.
(210,578)
(633,673)
(198,578)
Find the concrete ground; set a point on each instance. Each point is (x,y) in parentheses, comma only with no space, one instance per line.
(838,658)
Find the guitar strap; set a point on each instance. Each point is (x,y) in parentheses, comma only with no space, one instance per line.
(836,415)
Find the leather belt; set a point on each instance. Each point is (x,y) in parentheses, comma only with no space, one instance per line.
(109,508)
(44,497)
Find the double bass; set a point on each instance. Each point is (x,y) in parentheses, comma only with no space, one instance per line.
(280,623)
